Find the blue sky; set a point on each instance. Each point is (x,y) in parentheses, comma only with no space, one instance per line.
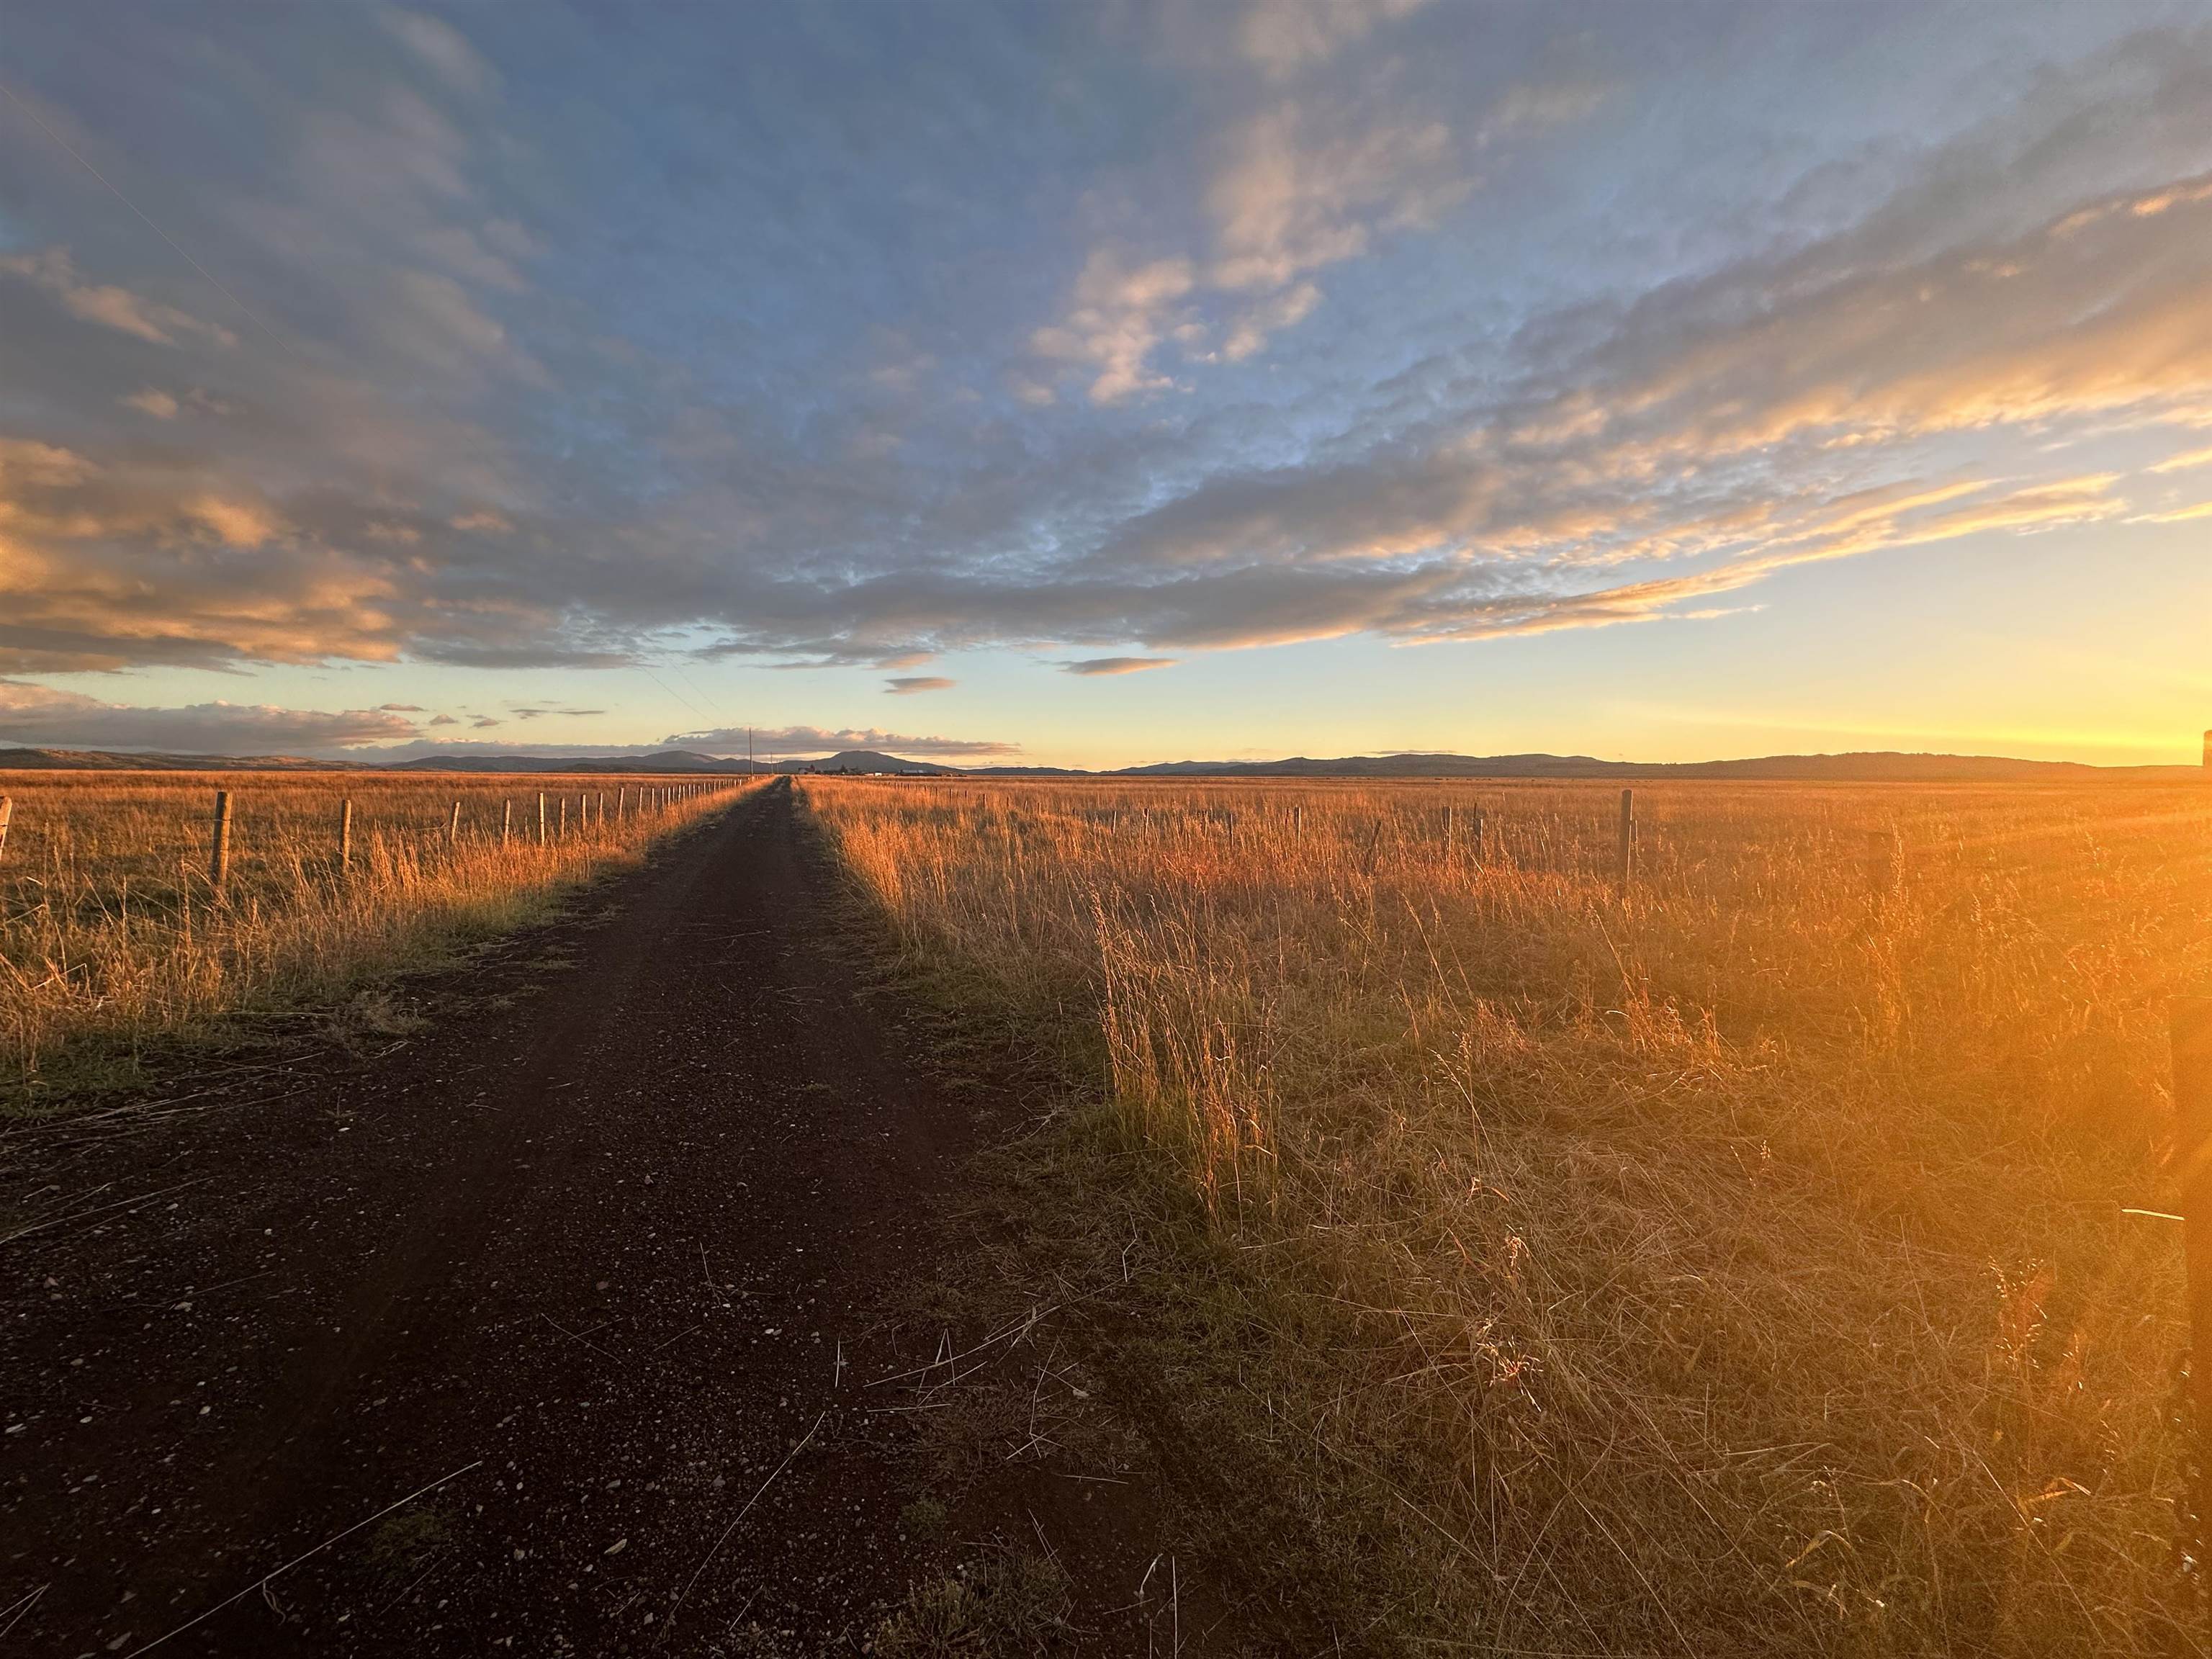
(1101,384)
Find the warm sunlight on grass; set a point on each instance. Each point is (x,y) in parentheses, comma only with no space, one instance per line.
(1738,1269)
(112,934)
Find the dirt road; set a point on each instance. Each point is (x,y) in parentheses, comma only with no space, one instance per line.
(587,1256)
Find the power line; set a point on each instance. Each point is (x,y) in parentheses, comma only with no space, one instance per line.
(703,713)
(720,713)
(251,315)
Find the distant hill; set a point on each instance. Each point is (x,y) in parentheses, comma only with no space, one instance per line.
(1882,767)
(99,760)
(869,760)
(667,760)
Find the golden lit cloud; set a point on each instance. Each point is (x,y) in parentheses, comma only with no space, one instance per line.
(2177,515)
(2184,462)
(108,306)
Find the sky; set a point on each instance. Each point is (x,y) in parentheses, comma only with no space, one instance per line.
(1096,384)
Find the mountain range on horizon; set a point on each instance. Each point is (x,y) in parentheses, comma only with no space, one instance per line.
(1885,766)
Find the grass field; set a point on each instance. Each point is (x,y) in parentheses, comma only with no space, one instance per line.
(1741,1268)
(113,934)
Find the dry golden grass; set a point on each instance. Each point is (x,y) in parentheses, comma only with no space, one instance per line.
(1739,1269)
(112,935)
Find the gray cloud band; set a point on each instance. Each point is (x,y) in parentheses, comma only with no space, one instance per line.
(43,716)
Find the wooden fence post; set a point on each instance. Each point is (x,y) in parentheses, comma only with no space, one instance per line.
(7,816)
(454,824)
(345,834)
(219,855)
(2191,1022)
(506,821)
(621,804)
(564,816)
(541,817)
(1627,858)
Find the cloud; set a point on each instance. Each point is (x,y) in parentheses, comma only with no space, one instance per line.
(1116,664)
(108,306)
(1298,183)
(1586,360)
(235,523)
(1302,186)
(1536,105)
(2184,461)
(2176,515)
(536,714)
(1252,327)
(1285,36)
(1771,416)
(790,740)
(400,708)
(485,722)
(442,47)
(40,715)
(908,685)
(442,720)
(1120,315)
